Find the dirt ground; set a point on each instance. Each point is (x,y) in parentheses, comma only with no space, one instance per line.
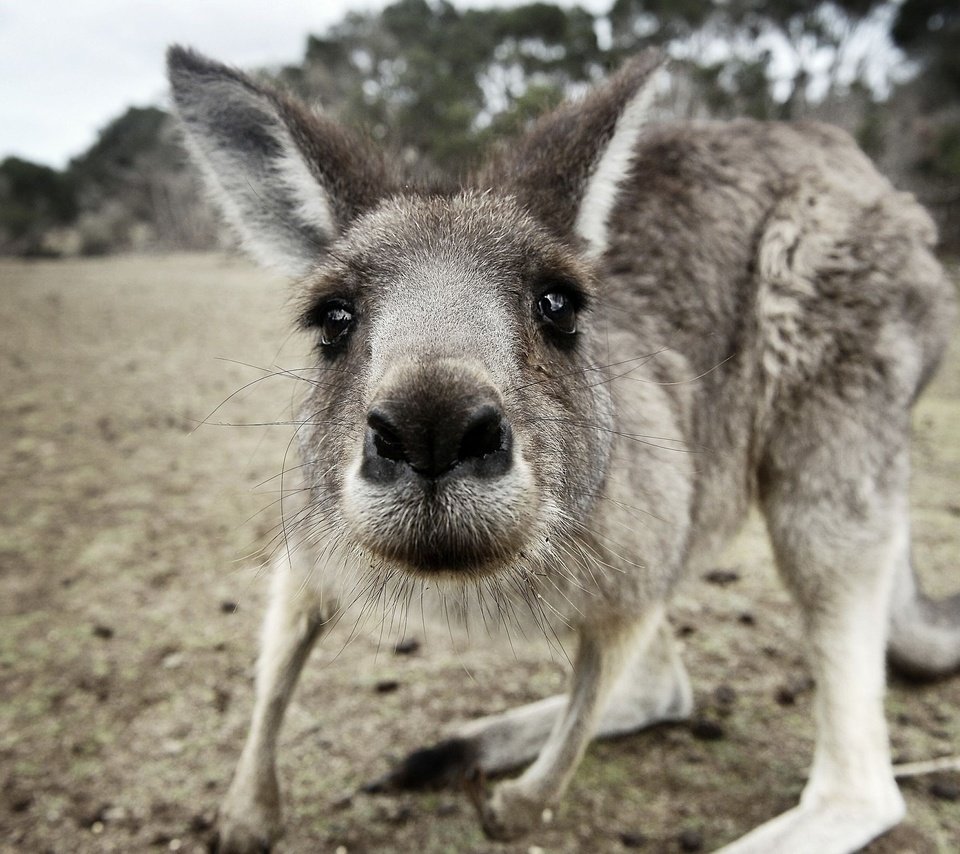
(130,600)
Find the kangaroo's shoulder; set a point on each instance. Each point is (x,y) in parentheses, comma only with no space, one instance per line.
(781,240)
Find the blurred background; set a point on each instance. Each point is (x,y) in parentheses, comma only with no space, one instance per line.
(435,81)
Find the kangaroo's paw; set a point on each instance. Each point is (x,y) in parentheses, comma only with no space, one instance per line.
(443,765)
(247,825)
(510,811)
(840,827)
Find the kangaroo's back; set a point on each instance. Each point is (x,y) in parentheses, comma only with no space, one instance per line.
(728,232)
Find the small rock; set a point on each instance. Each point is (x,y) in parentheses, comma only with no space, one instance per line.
(691,840)
(400,815)
(633,840)
(95,816)
(113,813)
(200,822)
(707,730)
(102,631)
(722,577)
(407,647)
(387,686)
(786,695)
(172,660)
(221,699)
(342,802)
(945,791)
(546,817)
(21,802)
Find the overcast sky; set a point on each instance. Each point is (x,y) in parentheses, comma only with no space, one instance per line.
(67,67)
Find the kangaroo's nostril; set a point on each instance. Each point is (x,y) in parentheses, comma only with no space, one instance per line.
(386,436)
(483,434)
(434,433)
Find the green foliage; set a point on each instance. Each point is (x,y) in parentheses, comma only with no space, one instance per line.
(437,79)
(941,159)
(119,146)
(534,102)
(871,131)
(735,88)
(643,22)
(32,198)
(929,30)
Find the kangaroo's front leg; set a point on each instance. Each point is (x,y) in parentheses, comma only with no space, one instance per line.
(515,806)
(249,817)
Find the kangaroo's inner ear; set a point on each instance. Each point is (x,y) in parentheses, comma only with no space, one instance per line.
(286,179)
(570,166)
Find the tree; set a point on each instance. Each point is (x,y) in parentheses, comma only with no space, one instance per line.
(33,199)
(759,58)
(929,31)
(439,80)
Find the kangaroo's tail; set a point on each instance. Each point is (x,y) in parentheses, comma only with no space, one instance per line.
(924,633)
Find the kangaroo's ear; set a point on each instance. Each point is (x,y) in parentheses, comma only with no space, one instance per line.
(288,180)
(569,167)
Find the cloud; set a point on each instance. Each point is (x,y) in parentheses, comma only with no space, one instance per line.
(68,67)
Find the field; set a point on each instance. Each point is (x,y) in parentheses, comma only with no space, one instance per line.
(130,597)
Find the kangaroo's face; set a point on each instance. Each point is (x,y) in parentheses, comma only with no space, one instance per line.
(457,423)
(451,423)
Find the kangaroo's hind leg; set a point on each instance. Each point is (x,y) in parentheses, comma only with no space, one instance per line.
(652,688)
(834,494)
(924,632)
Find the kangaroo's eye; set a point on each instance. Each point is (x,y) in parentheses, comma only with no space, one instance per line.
(559,310)
(335,322)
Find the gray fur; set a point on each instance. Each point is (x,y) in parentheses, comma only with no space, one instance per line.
(762,310)
(243,136)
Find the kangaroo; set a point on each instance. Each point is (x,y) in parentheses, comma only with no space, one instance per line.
(507,368)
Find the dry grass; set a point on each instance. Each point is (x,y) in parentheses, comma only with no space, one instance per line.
(125,674)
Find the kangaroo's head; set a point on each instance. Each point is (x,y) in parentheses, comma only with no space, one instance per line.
(457,423)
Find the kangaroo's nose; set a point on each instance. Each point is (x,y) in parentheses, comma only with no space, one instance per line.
(436,434)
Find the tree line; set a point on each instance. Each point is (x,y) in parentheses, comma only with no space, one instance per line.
(435,84)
